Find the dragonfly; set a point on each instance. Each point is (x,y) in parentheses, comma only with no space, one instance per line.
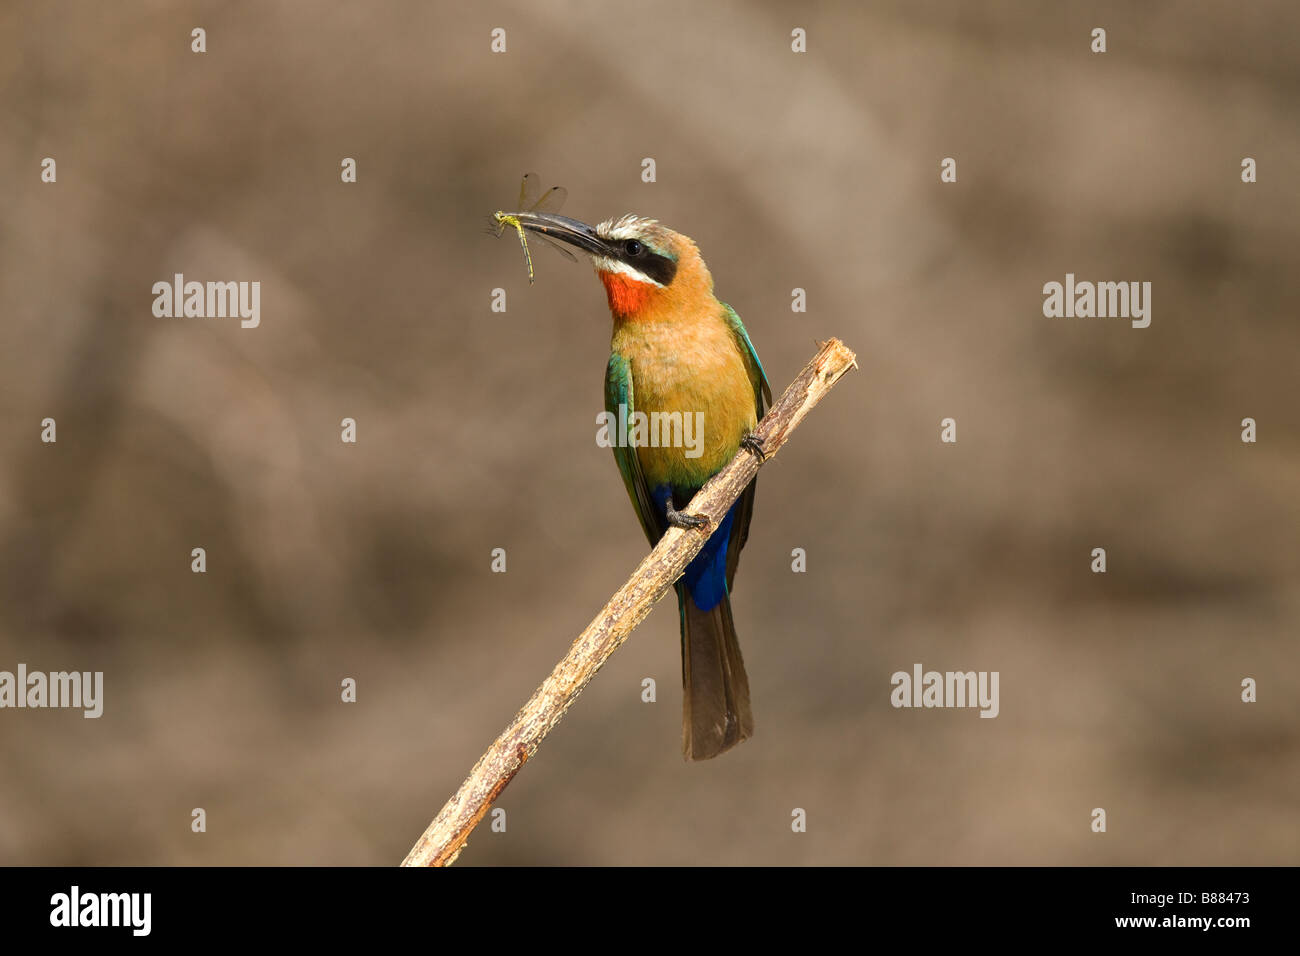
(532,199)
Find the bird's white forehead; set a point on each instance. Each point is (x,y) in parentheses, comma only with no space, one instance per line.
(624,227)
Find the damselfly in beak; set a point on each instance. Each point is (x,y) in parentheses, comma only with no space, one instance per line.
(533,200)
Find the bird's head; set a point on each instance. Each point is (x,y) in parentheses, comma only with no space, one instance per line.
(648,270)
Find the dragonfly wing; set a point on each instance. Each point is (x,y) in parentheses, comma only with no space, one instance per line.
(551,201)
(562,250)
(530,191)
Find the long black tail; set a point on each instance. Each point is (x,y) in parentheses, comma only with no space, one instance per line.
(715,689)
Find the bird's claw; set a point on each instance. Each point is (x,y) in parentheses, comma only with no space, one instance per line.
(754,445)
(686,522)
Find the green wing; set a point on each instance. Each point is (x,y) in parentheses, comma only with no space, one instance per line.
(618,391)
(762,390)
(762,399)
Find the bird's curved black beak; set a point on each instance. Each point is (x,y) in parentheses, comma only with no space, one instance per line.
(564,229)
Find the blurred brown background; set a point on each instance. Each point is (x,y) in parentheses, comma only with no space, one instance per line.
(476,429)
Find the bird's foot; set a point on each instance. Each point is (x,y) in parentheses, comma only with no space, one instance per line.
(754,445)
(679,519)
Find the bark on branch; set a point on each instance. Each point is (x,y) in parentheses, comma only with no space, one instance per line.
(446,835)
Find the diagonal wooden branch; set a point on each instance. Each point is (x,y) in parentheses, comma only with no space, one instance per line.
(446,835)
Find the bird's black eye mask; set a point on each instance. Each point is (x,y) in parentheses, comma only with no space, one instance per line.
(643,259)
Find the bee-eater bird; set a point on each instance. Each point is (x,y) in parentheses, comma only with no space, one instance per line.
(677,349)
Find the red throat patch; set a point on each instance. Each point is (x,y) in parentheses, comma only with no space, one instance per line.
(626,295)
